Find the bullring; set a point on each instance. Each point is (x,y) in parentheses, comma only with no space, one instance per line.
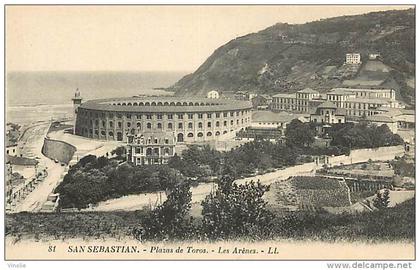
(190,119)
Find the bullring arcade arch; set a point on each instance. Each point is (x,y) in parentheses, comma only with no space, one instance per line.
(180,137)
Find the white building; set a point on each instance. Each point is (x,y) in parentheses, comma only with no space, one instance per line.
(374,56)
(328,113)
(213,94)
(151,148)
(359,102)
(11,148)
(353,58)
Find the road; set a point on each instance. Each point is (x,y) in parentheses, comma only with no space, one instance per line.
(30,146)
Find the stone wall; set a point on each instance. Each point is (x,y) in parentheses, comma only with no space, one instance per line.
(363,155)
(59,150)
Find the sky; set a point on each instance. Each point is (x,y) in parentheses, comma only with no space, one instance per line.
(140,38)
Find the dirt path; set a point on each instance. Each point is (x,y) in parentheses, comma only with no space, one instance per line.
(31,145)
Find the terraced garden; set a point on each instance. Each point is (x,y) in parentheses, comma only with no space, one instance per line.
(309,193)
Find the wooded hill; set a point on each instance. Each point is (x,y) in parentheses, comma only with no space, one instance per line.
(286,57)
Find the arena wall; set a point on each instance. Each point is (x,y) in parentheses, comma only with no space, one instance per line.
(189,121)
(59,150)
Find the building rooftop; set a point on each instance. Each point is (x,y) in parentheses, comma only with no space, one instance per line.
(165,104)
(268,116)
(327,105)
(266,96)
(9,143)
(380,118)
(159,135)
(340,91)
(285,95)
(21,161)
(375,90)
(406,118)
(308,91)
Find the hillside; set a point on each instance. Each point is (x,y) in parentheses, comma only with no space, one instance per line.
(286,58)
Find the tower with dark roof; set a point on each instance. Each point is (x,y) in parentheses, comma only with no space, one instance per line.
(77,101)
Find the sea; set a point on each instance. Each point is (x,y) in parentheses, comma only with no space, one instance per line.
(41,96)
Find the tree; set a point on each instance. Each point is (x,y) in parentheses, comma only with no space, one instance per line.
(169,178)
(363,135)
(170,220)
(382,199)
(299,134)
(120,152)
(236,210)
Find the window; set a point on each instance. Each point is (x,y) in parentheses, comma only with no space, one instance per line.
(190,116)
(231,122)
(111,124)
(217,124)
(169,125)
(128,116)
(200,116)
(231,113)
(200,125)
(217,115)
(209,124)
(138,124)
(209,134)
(138,150)
(149,125)
(166,141)
(190,125)
(180,125)
(190,135)
(128,124)
(209,116)
(180,116)
(138,116)
(224,123)
(159,125)
(148,116)
(159,116)
(170,116)
(200,134)
(119,124)
(225,114)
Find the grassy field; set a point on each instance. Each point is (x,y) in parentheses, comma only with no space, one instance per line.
(391,224)
(72,225)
